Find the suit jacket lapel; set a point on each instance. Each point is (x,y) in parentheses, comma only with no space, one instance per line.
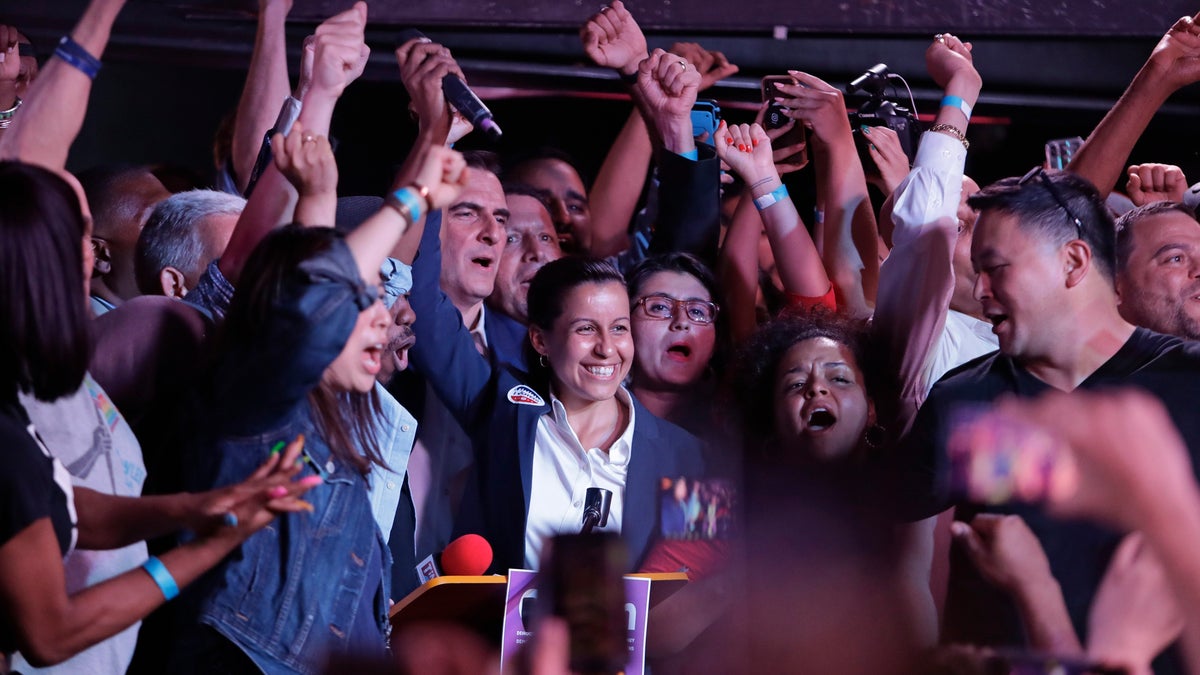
(640,517)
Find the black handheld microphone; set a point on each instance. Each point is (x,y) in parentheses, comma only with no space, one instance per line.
(461,97)
(596,504)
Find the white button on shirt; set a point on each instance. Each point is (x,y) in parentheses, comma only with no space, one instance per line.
(563,471)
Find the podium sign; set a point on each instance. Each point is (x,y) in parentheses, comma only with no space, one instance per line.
(519,613)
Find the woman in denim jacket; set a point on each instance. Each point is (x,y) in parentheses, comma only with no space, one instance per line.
(302,344)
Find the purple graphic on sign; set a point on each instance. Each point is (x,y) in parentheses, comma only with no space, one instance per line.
(519,615)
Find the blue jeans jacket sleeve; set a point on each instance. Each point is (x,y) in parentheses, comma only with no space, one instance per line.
(260,378)
(445,351)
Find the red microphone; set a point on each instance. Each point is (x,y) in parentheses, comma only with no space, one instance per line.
(470,555)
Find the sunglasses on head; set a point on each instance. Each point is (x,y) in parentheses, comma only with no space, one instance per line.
(1039,174)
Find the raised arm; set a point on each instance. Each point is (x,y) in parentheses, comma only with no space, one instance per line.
(423,64)
(51,119)
(917,280)
(849,244)
(747,151)
(689,174)
(306,160)
(1174,63)
(265,90)
(340,56)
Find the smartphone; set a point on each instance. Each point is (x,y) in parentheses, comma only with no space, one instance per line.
(706,117)
(581,581)
(1060,151)
(774,118)
(995,459)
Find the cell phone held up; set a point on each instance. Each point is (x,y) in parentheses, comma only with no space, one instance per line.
(581,582)
(706,116)
(775,118)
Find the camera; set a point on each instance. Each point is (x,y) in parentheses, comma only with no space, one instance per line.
(877,111)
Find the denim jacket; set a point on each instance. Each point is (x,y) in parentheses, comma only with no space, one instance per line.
(289,596)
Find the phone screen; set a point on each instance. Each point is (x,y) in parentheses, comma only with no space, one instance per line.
(582,583)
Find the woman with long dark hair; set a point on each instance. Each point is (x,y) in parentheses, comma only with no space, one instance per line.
(301,346)
(44,351)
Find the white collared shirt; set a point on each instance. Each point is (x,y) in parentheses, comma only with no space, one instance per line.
(962,339)
(563,470)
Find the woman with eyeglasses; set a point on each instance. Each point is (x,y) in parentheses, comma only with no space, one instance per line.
(542,439)
(676,337)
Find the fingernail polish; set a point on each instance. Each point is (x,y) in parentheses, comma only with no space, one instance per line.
(866,129)
(277,492)
(309,481)
(754,142)
(742,147)
(729,140)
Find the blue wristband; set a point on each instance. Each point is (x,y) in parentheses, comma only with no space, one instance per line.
(693,154)
(74,54)
(162,577)
(778,194)
(957,102)
(408,197)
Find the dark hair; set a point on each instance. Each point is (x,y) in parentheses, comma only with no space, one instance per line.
(346,420)
(682,263)
(514,162)
(1034,201)
(752,382)
(172,236)
(1130,219)
(543,196)
(484,160)
(45,343)
(552,282)
(104,188)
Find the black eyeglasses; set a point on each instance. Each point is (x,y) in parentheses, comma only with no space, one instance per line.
(659,306)
(1040,173)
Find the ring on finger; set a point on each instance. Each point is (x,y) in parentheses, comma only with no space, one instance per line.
(683,63)
(308,138)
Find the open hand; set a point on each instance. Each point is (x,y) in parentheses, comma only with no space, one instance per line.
(817,104)
(247,507)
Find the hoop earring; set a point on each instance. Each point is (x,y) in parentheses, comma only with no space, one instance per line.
(875,436)
(542,361)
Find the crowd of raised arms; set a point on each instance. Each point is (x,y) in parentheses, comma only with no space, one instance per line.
(961,420)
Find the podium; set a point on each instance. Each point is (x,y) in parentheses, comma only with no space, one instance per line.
(478,602)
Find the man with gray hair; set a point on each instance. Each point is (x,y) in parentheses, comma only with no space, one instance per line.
(184,233)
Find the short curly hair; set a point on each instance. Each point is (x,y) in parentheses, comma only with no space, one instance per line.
(752,383)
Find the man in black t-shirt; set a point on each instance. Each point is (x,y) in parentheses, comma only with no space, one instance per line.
(1044,249)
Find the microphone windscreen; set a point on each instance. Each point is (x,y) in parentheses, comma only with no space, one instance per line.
(469,555)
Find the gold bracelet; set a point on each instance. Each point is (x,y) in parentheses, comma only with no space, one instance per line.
(954,131)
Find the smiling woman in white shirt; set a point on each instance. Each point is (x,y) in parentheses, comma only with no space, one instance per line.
(542,439)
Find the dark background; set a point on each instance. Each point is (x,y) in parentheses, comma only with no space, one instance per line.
(1050,69)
